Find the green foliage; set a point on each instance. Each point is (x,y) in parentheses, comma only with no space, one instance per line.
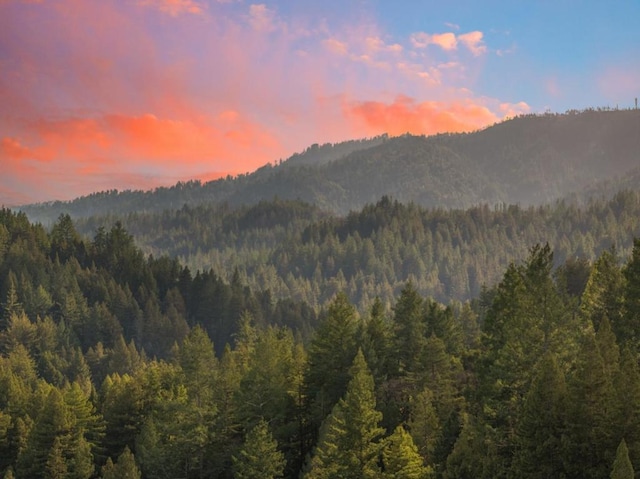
(259,457)
(124,468)
(541,424)
(348,446)
(622,468)
(331,352)
(103,350)
(400,457)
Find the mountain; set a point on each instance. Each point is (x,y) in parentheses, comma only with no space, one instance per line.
(531,159)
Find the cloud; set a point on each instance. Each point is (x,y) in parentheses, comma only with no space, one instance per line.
(510,110)
(118,146)
(449,41)
(375,44)
(12,149)
(175,7)
(109,94)
(262,18)
(473,41)
(336,46)
(446,41)
(406,115)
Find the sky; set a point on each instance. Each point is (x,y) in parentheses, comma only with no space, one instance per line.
(133,94)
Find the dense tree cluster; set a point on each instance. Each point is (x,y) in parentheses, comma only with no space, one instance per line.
(295,251)
(108,369)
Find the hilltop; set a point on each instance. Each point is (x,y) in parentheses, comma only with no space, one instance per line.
(528,160)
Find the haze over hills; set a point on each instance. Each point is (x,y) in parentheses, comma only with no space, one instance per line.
(531,159)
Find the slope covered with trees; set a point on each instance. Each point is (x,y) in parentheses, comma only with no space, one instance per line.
(296,251)
(531,159)
(113,364)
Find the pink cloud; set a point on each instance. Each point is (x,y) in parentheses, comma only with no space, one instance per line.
(105,94)
(473,41)
(446,41)
(262,18)
(449,41)
(336,46)
(175,7)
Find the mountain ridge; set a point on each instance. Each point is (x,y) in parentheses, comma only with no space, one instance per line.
(530,159)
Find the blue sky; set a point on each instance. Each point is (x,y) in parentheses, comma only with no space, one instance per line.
(103,94)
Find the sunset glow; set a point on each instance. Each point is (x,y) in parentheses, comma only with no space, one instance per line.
(98,95)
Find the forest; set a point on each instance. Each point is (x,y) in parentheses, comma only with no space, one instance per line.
(298,251)
(117,363)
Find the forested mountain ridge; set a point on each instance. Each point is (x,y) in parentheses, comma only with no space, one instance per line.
(108,369)
(531,159)
(296,251)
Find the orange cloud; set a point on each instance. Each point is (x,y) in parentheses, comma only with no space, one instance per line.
(175,7)
(405,115)
(12,148)
(80,155)
(446,41)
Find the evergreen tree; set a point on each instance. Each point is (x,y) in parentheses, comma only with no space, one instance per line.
(589,439)
(604,293)
(348,447)
(330,353)
(56,466)
(627,389)
(541,425)
(631,316)
(622,468)
(400,457)
(259,457)
(410,330)
(124,468)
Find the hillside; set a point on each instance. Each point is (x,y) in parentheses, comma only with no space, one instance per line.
(528,160)
(296,251)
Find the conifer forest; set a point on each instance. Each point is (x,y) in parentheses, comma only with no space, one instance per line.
(394,342)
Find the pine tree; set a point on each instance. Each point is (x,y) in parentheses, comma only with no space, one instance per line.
(622,468)
(348,446)
(330,353)
(259,457)
(631,316)
(401,459)
(589,443)
(541,424)
(124,468)
(54,423)
(604,293)
(410,329)
(627,388)
(424,424)
(56,466)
